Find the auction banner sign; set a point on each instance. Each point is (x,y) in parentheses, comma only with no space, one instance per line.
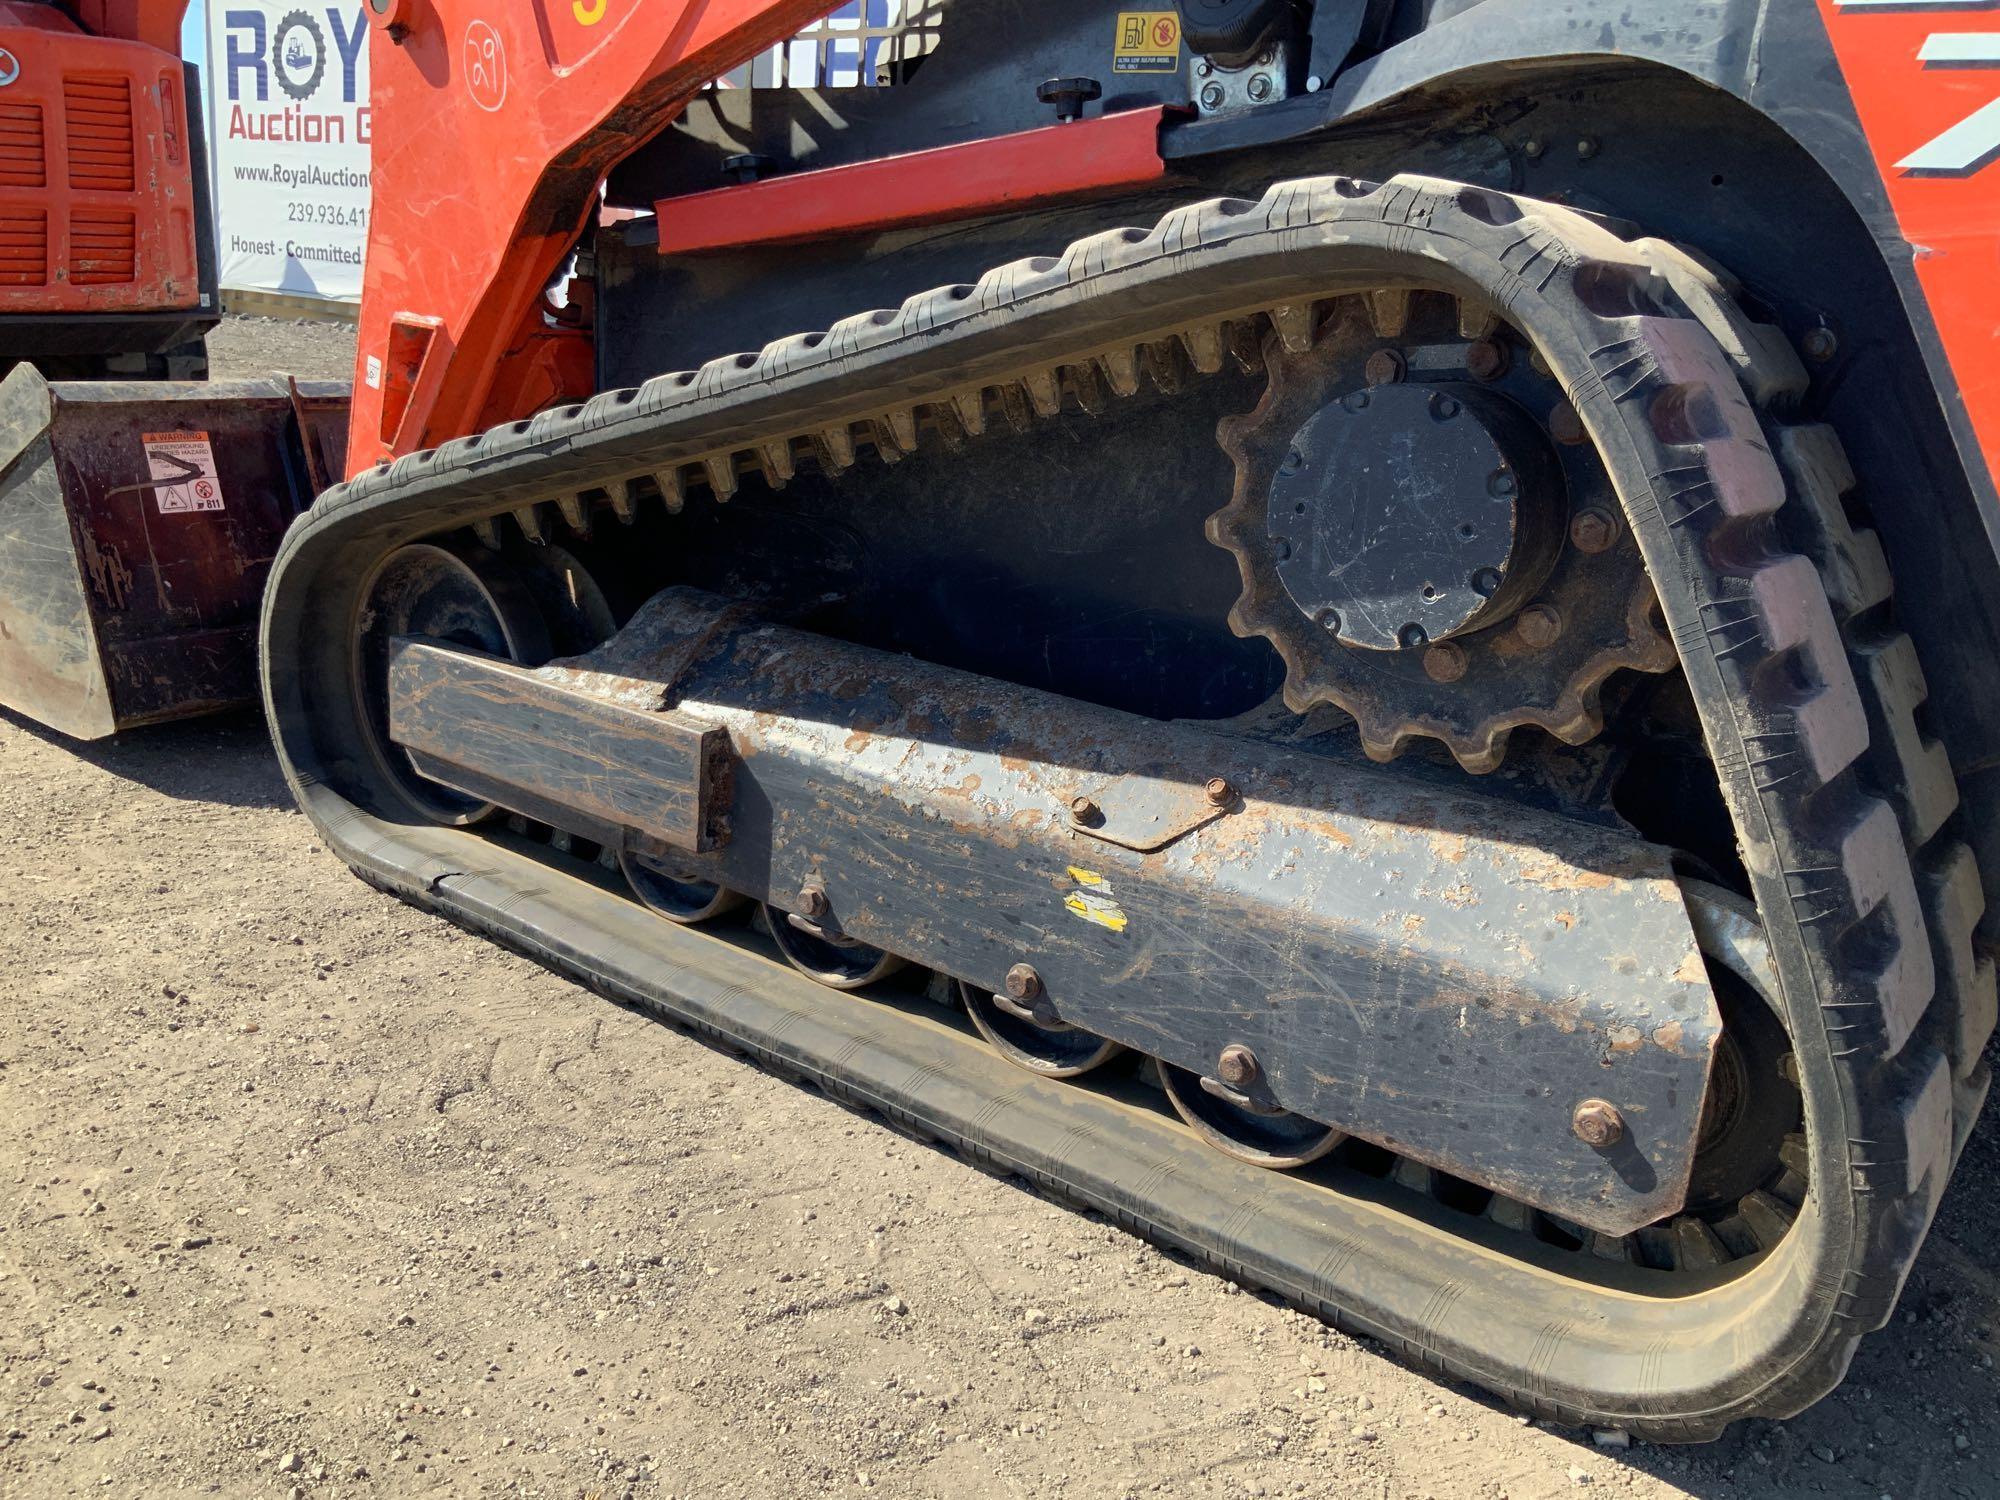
(288,129)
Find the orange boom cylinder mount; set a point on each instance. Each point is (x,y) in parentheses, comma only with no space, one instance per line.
(494,126)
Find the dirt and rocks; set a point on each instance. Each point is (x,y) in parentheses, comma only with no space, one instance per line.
(310,1194)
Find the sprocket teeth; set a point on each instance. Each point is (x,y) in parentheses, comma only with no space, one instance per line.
(1044,391)
(1204,347)
(1120,369)
(970,409)
(896,429)
(1310,351)
(1389,312)
(1296,323)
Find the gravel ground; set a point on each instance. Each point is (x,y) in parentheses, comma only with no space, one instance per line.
(315,1195)
(256,346)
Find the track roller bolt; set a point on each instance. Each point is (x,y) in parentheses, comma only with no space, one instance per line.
(1219,791)
(1538,627)
(1086,812)
(1485,360)
(1597,1123)
(1237,1066)
(813,902)
(1384,367)
(1586,148)
(1445,662)
(1023,983)
(1593,530)
(1565,426)
(1820,344)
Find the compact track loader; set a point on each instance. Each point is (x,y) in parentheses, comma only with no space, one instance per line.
(1339,630)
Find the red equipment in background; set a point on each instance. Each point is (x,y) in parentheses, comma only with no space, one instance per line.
(97,197)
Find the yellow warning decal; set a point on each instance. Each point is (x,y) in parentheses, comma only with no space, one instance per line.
(1092,901)
(1149,41)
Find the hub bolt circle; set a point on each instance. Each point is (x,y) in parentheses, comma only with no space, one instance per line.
(1445,662)
(1023,983)
(1485,360)
(1384,367)
(1237,1066)
(1538,626)
(1597,1123)
(1593,530)
(1219,791)
(1565,426)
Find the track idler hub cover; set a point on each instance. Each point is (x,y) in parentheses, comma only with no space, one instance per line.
(1410,514)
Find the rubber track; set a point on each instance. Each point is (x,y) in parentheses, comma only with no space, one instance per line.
(1810,699)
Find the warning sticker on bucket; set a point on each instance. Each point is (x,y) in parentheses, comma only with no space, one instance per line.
(182,466)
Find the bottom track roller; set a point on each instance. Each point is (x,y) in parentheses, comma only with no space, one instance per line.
(825,954)
(672,894)
(1236,1125)
(1042,1043)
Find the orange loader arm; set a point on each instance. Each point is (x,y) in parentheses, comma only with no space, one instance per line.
(493,126)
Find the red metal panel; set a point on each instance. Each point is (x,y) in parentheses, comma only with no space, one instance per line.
(1082,157)
(1922,76)
(96,187)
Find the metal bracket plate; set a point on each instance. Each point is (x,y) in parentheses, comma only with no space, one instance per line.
(1142,813)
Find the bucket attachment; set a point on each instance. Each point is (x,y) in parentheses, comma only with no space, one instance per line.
(138,520)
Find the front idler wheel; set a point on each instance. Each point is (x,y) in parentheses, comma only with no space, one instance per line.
(458,593)
(1033,1037)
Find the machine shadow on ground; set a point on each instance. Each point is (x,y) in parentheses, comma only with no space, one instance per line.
(225,759)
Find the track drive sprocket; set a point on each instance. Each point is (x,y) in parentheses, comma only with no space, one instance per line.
(1508,603)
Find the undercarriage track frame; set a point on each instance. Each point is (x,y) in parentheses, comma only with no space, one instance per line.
(1868,895)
